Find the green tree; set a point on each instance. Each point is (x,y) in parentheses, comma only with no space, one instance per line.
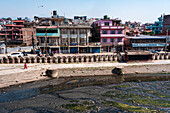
(9,18)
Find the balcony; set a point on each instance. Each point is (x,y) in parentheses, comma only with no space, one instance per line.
(112,35)
(49,34)
(64,36)
(48,44)
(113,27)
(83,36)
(73,36)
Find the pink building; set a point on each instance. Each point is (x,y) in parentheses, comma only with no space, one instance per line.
(110,33)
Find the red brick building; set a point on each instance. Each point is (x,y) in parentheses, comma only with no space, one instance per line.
(14,32)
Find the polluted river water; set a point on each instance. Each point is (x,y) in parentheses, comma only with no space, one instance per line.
(142,93)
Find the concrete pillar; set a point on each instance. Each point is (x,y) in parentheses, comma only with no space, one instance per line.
(12,60)
(92,58)
(115,58)
(162,56)
(4,60)
(23,60)
(19,61)
(44,59)
(66,59)
(7,60)
(153,57)
(35,60)
(82,58)
(96,58)
(101,58)
(87,58)
(166,56)
(50,60)
(56,59)
(1,61)
(77,59)
(123,58)
(157,57)
(72,59)
(106,58)
(61,59)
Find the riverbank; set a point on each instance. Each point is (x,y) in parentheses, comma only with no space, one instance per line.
(11,74)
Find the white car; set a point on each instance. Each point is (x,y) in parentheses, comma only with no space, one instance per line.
(17,54)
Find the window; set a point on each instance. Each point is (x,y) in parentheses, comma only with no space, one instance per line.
(42,40)
(73,31)
(104,32)
(48,40)
(106,23)
(52,31)
(119,39)
(64,40)
(41,30)
(119,31)
(112,32)
(112,40)
(64,31)
(73,40)
(83,31)
(104,39)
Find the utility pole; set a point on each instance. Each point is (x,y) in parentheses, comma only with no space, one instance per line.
(5,42)
(46,40)
(166,40)
(33,40)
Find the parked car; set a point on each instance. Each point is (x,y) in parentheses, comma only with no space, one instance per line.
(16,54)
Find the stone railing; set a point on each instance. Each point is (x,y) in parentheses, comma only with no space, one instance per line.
(76,58)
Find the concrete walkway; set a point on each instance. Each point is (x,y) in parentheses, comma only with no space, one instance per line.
(18,68)
(11,74)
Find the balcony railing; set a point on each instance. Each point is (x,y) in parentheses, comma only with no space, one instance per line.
(48,34)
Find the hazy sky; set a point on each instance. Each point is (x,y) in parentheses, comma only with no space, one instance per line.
(134,10)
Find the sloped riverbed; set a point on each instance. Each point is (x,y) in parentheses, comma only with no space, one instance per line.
(89,94)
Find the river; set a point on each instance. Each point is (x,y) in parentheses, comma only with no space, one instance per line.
(89,94)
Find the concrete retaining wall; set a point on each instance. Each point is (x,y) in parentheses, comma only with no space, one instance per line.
(22,77)
(75,58)
(159,68)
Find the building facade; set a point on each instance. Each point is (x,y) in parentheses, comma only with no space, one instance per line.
(166,23)
(29,36)
(110,34)
(157,26)
(147,43)
(75,39)
(13,32)
(48,39)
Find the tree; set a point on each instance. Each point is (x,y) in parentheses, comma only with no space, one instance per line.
(9,18)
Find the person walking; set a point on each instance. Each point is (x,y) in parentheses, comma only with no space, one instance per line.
(25,65)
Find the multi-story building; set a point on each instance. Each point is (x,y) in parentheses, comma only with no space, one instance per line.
(48,39)
(110,34)
(157,26)
(75,39)
(144,42)
(29,36)
(13,32)
(166,23)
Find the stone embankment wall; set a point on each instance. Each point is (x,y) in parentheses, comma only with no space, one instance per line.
(146,69)
(22,77)
(75,58)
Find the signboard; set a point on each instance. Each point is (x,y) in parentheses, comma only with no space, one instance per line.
(148,45)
